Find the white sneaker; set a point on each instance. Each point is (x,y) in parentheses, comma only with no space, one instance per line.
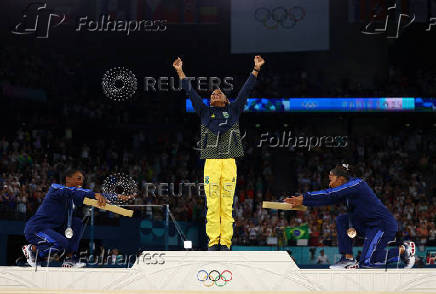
(72,264)
(28,254)
(345,263)
(409,254)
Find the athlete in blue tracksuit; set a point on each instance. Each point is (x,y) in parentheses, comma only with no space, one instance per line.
(366,214)
(45,231)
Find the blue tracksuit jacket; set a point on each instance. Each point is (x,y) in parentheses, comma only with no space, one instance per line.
(366,210)
(52,213)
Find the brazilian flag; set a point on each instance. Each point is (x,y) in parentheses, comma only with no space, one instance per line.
(295,233)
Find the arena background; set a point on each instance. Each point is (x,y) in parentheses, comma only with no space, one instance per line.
(54,115)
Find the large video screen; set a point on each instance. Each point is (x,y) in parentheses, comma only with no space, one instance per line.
(334,104)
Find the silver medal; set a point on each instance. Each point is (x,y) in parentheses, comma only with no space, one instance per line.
(69,233)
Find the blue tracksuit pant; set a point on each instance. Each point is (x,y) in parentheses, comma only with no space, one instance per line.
(374,246)
(49,238)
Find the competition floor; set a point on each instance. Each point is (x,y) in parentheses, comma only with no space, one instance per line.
(226,272)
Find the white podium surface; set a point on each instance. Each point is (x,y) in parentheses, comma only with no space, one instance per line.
(202,271)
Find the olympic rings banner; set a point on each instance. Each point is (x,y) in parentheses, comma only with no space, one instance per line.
(214,277)
(279,25)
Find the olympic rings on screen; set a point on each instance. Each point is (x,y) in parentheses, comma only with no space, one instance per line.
(287,18)
(309,104)
(214,277)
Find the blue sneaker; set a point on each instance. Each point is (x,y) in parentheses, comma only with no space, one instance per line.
(345,263)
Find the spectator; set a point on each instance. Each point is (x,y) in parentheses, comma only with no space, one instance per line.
(322,258)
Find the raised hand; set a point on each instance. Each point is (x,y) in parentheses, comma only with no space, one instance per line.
(178,64)
(258,62)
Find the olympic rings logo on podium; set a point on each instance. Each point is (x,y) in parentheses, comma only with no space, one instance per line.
(214,277)
(287,18)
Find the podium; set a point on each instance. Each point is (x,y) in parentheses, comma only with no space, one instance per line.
(210,271)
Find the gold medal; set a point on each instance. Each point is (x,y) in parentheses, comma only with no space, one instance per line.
(351,232)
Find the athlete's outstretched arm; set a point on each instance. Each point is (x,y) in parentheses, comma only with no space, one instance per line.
(240,101)
(77,194)
(197,102)
(325,197)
